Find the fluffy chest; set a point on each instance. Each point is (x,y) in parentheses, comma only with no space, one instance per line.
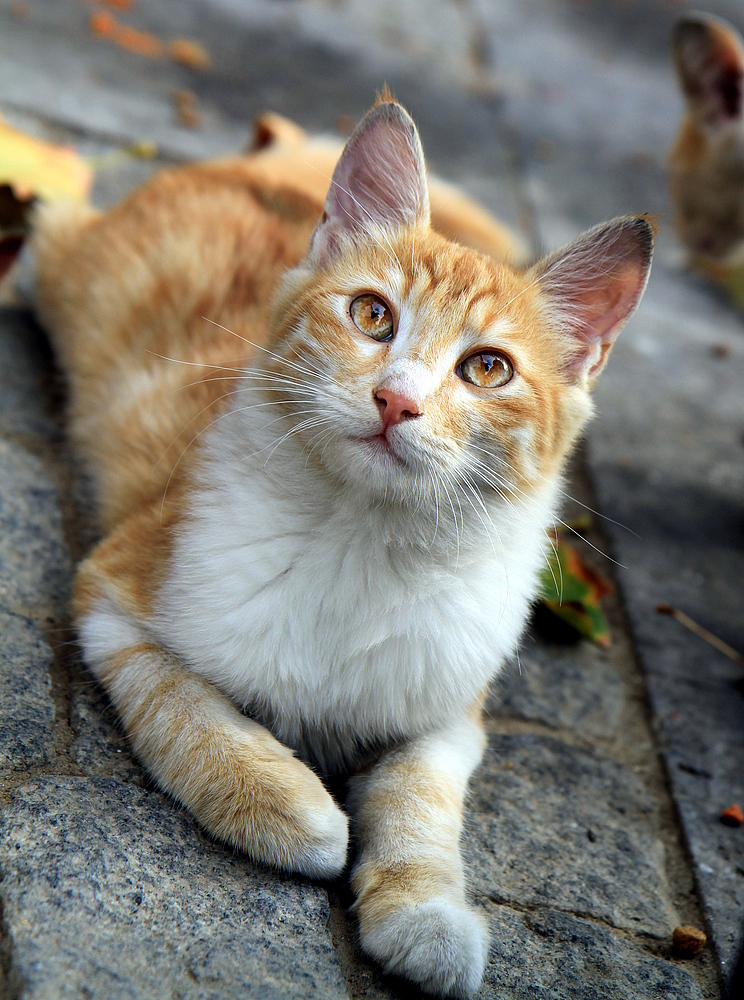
(324,617)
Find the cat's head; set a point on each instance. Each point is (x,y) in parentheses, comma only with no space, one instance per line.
(425,372)
(706,163)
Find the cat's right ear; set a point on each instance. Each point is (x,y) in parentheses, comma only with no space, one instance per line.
(379,182)
(591,289)
(709,56)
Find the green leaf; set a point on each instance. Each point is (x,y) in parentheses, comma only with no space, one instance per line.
(572,591)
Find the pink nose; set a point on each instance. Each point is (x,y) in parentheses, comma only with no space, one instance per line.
(394,408)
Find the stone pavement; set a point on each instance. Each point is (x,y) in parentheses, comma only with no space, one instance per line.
(593,825)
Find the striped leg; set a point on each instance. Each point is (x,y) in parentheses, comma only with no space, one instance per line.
(408,879)
(239,782)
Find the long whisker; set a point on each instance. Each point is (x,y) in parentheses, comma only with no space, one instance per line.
(265,350)
(526,500)
(563,493)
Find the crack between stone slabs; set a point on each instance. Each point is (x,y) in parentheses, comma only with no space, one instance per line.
(703,969)
(648,943)
(496,899)
(518,725)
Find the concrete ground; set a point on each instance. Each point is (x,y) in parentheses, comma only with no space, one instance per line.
(593,826)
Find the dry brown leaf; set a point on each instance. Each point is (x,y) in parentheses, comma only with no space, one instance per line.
(189,53)
(105,25)
(116,4)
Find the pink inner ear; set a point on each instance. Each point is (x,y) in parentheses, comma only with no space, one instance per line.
(380,179)
(594,285)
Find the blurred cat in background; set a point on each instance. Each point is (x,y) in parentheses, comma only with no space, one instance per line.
(328,443)
(706,163)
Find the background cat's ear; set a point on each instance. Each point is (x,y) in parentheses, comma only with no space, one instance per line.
(592,287)
(380,179)
(709,56)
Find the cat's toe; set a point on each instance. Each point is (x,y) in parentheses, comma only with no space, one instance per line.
(441,945)
(322,851)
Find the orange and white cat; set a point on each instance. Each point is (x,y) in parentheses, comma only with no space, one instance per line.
(327,443)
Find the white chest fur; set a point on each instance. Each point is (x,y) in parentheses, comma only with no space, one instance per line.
(333,616)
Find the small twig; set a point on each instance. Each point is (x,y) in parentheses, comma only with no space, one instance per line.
(719,644)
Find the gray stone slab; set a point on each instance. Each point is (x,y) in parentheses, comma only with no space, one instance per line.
(26,376)
(262,59)
(27,716)
(553,956)
(573,687)
(667,456)
(34,561)
(110,892)
(100,748)
(552,825)
(666,448)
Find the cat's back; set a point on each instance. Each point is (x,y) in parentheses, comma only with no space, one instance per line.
(154,305)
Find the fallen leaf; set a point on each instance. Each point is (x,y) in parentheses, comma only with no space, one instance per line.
(189,53)
(142,149)
(105,25)
(572,591)
(33,168)
(181,50)
(116,4)
(20,10)
(187,113)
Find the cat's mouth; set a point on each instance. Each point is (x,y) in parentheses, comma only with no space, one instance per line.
(381,444)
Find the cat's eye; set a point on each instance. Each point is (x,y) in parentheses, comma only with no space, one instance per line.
(372,316)
(486,369)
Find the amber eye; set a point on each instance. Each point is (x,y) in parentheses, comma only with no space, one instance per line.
(372,316)
(487,369)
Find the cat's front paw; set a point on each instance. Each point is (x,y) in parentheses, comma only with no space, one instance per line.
(441,945)
(320,851)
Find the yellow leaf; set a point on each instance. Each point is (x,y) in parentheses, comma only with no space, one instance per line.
(32,167)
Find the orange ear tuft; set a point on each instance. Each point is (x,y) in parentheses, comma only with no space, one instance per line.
(385,96)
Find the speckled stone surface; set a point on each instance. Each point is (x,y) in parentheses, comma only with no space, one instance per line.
(27,714)
(34,561)
(554,826)
(571,686)
(547,955)
(110,893)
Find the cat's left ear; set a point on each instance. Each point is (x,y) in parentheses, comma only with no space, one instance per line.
(591,289)
(380,180)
